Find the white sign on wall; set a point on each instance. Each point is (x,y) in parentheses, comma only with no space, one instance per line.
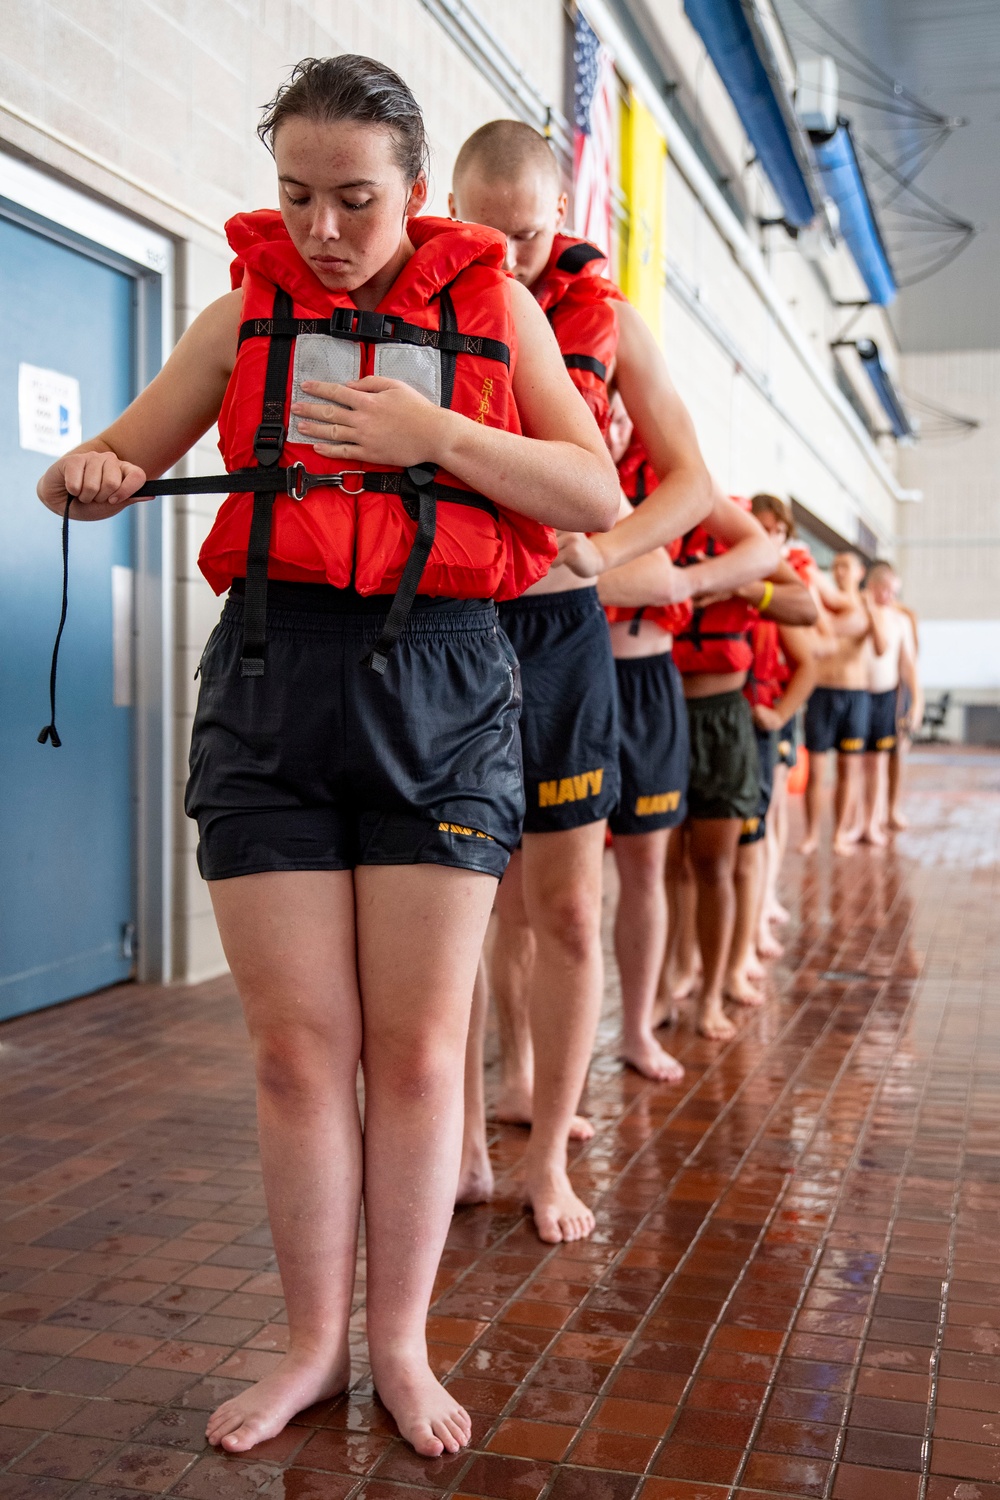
(48,409)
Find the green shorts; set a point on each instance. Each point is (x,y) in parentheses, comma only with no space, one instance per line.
(725,769)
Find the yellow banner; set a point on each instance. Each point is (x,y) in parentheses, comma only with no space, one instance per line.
(644,159)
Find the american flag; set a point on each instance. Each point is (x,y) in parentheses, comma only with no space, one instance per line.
(593,141)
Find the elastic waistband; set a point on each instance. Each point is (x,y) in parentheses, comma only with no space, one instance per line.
(338,611)
(656,661)
(584,600)
(717,700)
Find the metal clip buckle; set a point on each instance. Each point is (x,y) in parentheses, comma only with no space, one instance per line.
(296,481)
(338,480)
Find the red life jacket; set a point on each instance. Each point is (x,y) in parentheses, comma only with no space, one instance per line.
(638,479)
(361,527)
(801,559)
(717,638)
(579,301)
(769,671)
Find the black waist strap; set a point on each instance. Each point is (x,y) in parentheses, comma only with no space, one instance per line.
(296,481)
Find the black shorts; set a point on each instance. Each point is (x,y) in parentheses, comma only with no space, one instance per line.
(788,739)
(755,827)
(569,714)
(882,720)
(321,764)
(655,747)
(837,719)
(725,775)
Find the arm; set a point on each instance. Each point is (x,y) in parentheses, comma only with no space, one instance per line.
(159,427)
(795,643)
(683,497)
(790,602)
(751,553)
(908,675)
(559,472)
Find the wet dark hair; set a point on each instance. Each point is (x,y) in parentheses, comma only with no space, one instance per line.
(772,505)
(351,87)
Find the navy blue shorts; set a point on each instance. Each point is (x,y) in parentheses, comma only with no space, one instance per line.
(569,714)
(655,749)
(321,764)
(837,719)
(882,721)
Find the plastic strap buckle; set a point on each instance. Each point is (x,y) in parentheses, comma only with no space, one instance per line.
(268,441)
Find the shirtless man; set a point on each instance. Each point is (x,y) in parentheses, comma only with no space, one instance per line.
(909,719)
(549,905)
(896,667)
(839,711)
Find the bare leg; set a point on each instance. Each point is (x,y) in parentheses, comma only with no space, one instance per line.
(511,961)
(814,802)
(475,1178)
(847,800)
(739,985)
(416,994)
(562,892)
(640,941)
(682,961)
(897,766)
(510,974)
(713,855)
(290,942)
(777,843)
(874,791)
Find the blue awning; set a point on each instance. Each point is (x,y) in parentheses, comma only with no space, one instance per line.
(841,173)
(741,57)
(884,388)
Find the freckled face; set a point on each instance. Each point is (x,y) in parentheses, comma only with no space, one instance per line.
(530,211)
(344,199)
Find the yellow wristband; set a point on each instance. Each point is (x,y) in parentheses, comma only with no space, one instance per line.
(766,596)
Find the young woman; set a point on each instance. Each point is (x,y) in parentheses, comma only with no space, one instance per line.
(353,823)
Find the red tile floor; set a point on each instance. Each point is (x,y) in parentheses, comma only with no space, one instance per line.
(794,1287)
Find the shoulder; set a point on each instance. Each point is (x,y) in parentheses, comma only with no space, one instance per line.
(216,329)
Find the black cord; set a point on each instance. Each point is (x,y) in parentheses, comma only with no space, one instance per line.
(50,734)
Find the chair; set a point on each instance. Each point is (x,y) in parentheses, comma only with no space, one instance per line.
(935,714)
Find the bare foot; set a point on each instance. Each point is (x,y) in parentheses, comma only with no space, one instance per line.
(777,914)
(428,1416)
(645,1054)
(558,1213)
(513,1107)
(849,835)
(874,835)
(714,1023)
(475,1179)
(897,822)
(665,1013)
(842,844)
(809,844)
(739,987)
(753,968)
(767,944)
(262,1411)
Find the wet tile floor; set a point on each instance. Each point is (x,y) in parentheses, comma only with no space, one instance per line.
(794,1287)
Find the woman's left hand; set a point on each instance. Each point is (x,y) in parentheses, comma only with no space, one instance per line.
(373,421)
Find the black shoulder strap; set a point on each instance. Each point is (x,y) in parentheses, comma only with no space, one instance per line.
(268,444)
(575,257)
(586,362)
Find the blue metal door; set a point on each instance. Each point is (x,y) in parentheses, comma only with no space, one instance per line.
(66,815)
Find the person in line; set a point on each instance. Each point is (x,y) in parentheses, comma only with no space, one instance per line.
(776,518)
(547,971)
(838,713)
(782,676)
(713,655)
(910,717)
(889,675)
(355,768)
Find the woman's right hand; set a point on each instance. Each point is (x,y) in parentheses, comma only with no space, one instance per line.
(100,483)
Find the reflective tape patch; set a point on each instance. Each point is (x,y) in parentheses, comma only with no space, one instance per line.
(469,833)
